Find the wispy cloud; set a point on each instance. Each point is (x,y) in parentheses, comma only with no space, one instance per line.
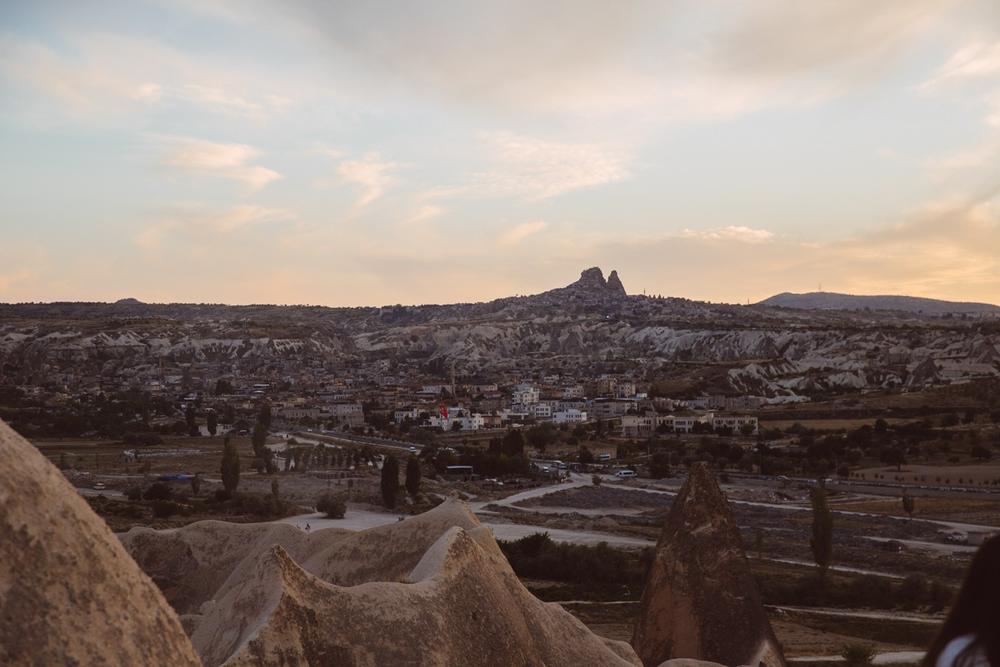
(974,61)
(199,223)
(730,233)
(518,233)
(539,169)
(99,73)
(220,159)
(371,173)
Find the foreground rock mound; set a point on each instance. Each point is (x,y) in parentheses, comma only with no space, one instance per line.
(701,600)
(431,590)
(69,593)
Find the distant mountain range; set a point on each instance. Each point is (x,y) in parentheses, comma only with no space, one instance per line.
(909,304)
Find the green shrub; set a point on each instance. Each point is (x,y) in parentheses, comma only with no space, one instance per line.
(164,509)
(158,491)
(331,505)
(858,655)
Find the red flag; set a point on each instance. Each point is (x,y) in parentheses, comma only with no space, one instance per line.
(443,410)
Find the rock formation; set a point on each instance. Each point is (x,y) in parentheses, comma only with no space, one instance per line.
(615,284)
(701,600)
(69,593)
(431,590)
(591,279)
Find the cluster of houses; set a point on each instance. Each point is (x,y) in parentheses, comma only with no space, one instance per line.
(645,425)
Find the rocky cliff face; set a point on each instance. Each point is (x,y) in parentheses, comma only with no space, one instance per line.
(69,593)
(779,353)
(432,590)
(701,601)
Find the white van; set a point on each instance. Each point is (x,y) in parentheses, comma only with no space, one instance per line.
(625,473)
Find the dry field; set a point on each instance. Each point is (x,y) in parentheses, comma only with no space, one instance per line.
(964,510)
(955,475)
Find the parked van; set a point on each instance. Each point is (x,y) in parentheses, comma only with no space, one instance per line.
(625,473)
(604,457)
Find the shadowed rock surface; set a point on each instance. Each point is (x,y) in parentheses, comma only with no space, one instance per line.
(69,593)
(701,600)
(432,590)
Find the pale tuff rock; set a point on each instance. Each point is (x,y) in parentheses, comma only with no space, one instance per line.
(701,601)
(69,593)
(432,590)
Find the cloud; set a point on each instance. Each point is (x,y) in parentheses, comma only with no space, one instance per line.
(423,213)
(194,224)
(225,160)
(730,233)
(371,173)
(95,74)
(974,61)
(518,233)
(973,158)
(539,169)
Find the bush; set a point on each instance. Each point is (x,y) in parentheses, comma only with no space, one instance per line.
(331,505)
(858,655)
(142,439)
(158,491)
(164,509)
(134,494)
(537,556)
(596,480)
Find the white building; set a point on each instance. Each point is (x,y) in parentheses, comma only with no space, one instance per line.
(525,394)
(735,423)
(571,416)
(539,410)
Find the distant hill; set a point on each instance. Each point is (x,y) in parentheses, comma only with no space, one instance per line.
(912,304)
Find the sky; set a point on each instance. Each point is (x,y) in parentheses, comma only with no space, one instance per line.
(370,153)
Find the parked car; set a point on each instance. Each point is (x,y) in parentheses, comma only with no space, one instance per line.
(625,473)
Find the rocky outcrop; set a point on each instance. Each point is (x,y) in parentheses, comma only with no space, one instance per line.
(701,601)
(69,593)
(614,285)
(434,589)
(591,279)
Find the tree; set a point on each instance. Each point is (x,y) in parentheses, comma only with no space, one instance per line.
(585,456)
(259,439)
(908,504)
(858,655)
(659,465)
(390,481)
(981,453)
(196,484)
(542,435)
(230,467)
(264,416)
(513,443)
(274,488)
(212,423)
(413,476)
(191,420)
(894,456)
(223,387)
(821,542)
(331,505)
